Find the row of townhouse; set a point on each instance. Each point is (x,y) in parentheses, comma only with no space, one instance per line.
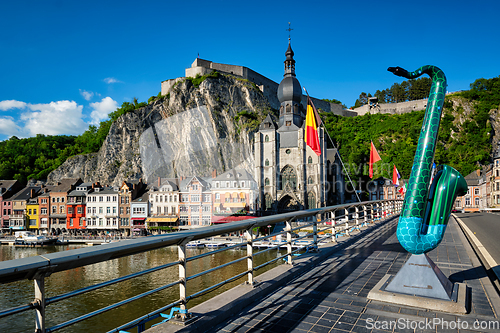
(75,207)
(199,201)
(70,206)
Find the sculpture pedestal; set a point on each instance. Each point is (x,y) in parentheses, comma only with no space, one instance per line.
(421,283)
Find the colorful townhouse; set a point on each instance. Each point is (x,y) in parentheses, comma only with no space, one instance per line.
(76,208)
(58,199)
(19,218)
(32,214)
(44,206)
(234,191)
(472,201)
(128,192)
(195,206)
(102,210)
(8,188)
(164,200)
(139,210)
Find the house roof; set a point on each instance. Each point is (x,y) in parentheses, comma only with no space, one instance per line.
(205,182)
(65,184)
(235,174)
(6,188)
(25,193)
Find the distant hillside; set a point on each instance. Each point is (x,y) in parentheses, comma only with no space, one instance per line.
(469,126)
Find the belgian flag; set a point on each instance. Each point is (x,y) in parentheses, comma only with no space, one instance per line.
(311,137)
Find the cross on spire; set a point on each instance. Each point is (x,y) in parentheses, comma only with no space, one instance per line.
(289,29)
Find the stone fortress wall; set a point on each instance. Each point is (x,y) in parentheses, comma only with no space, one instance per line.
(393,108)
(268,87)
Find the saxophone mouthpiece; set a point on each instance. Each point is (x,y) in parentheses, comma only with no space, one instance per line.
(398,71)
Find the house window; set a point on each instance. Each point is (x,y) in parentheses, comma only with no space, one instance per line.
(100,210)
(476,201)
(476,191)
(70,210)
(467,202)
(269,202)
(311,200)
(79,210)
(217,196)
(61,209)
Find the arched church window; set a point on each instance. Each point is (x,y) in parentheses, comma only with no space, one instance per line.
(310,180)
(310,160)
(266,182)
(288,176)
(269,202)
(311,200)
(267,162)
(281,109)
(296,109)
(266,139)
(288,109)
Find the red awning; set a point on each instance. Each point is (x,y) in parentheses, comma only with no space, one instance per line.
(227,219)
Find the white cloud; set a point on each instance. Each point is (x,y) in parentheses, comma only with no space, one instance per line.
(61,117)
(110,80)
(86,94)
(9,127)
(102,109)
(11,104)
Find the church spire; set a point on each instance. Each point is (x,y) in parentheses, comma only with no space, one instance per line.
(289,61)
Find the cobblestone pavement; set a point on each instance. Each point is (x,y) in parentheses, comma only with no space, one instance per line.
(332,296)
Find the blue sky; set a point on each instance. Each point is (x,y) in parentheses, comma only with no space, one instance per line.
(66,64)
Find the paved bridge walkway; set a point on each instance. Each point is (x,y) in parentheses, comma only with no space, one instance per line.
(332,296)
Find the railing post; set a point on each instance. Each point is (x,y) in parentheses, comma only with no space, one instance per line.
(346,215)
(334,222)
(289,241)
(40,304)
(356,210)
(181,249)
(365,215)
(315,230)
(248,234)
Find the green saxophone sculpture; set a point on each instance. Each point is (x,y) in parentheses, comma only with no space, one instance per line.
(426,211)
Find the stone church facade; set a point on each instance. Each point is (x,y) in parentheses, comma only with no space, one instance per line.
(289,174)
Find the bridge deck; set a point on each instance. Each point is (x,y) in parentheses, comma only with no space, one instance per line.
(331,297)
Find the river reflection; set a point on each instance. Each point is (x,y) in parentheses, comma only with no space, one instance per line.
(21,293)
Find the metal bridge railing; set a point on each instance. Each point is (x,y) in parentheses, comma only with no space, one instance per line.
(333,222)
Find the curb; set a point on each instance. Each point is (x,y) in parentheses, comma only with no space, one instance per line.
(484,256)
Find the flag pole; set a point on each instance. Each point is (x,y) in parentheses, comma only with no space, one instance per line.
(331,141)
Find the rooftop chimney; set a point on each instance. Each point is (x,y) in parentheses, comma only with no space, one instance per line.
(214,173)
(159,181)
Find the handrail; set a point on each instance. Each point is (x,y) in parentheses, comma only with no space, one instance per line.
(27,268)
(37,268)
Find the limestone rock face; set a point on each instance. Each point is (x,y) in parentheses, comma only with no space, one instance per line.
(192,131)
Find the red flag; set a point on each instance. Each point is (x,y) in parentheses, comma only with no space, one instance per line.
(374,157)
(311,137)
(395,176)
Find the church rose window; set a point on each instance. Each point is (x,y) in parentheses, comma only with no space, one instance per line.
(288,176)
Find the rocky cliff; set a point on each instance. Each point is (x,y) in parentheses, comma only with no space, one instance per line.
(196,129)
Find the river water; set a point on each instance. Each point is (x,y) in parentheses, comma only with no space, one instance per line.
(21,293)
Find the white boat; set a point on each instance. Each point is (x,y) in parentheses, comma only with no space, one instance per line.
(29,238)
(215,245)
(195,244)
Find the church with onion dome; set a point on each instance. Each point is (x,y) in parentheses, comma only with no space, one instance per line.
(289,174)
